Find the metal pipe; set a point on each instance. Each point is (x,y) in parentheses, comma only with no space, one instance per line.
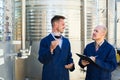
(107,17)
(115,42)
(23,24)
(85,20)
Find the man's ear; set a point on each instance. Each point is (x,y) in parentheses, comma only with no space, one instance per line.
(56,23)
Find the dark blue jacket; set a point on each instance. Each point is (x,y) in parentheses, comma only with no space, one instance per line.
(105,61)
(54,64)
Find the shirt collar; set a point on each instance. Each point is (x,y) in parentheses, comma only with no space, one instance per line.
(54,35)
(100,43)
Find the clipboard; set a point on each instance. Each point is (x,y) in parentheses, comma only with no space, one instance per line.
(84,57)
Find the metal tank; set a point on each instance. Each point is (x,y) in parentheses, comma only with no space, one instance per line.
(13,51)
(38,16)
(6,47)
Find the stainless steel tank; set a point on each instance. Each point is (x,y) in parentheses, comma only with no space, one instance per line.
(36,23)
(6,47)
(38,16)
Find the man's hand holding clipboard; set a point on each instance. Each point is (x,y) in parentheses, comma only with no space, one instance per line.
(85,59)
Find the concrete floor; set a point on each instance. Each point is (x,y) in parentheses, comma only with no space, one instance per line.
(116,74)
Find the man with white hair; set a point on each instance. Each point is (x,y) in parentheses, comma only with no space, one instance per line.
(102,54)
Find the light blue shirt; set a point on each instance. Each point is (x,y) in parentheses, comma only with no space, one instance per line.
(60,43)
